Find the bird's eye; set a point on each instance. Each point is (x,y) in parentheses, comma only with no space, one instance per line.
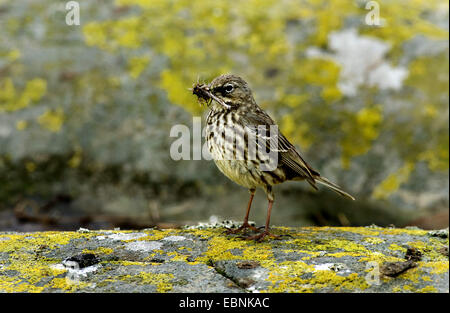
(228,88)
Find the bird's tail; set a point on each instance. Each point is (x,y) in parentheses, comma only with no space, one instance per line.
(333,186)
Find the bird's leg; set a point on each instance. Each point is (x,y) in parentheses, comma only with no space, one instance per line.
(245,224)
(266,232)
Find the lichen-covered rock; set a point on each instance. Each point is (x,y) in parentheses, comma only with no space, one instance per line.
(311,259)
(87,110)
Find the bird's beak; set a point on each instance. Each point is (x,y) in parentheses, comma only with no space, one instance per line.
(208,92)
(218,100)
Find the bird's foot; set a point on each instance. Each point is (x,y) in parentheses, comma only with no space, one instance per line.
(244,226)
(260,237)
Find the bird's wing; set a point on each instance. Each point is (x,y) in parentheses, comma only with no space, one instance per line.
(289,156)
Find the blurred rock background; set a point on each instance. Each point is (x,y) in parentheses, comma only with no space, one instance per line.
(86,110)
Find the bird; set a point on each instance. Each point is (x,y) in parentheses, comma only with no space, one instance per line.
(233,125)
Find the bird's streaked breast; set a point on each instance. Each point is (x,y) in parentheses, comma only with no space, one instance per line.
(228,142)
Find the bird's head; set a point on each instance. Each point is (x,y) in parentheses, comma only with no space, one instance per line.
(225,92)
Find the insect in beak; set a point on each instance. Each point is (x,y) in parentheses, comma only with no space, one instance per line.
(204,93)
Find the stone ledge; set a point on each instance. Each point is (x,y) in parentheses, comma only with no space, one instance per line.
(310,259)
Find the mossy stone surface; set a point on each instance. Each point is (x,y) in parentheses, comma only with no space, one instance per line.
(309,259)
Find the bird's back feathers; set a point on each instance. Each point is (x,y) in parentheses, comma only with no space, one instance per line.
(295,166)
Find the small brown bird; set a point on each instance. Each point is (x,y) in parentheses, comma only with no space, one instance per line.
(235,124)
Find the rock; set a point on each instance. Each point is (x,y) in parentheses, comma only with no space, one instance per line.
(356,99)
(310,259)
(443,233)
(81,261)
(393,269)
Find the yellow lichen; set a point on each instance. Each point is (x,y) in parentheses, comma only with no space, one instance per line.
(408,288)
(374,240)
(66,284)
(346,245)
(136,65)
(161,281)
(427,289)
(379,258)
(399,231)
(287,277)
(357,230)
(343,254)
(430,249)
(75,160)
(30,166)
(426,278)
(11,100)
(367,123)
(412,274)
(437,267)
(13,55)
(23,250)
(52,120)
(21,125)
(284,276)
(396,247)
(393,182)
(128,263)
(99,250)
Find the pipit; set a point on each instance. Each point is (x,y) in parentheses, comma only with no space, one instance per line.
(243,141)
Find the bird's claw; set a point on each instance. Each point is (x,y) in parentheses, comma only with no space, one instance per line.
(241,228)
(260,237)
